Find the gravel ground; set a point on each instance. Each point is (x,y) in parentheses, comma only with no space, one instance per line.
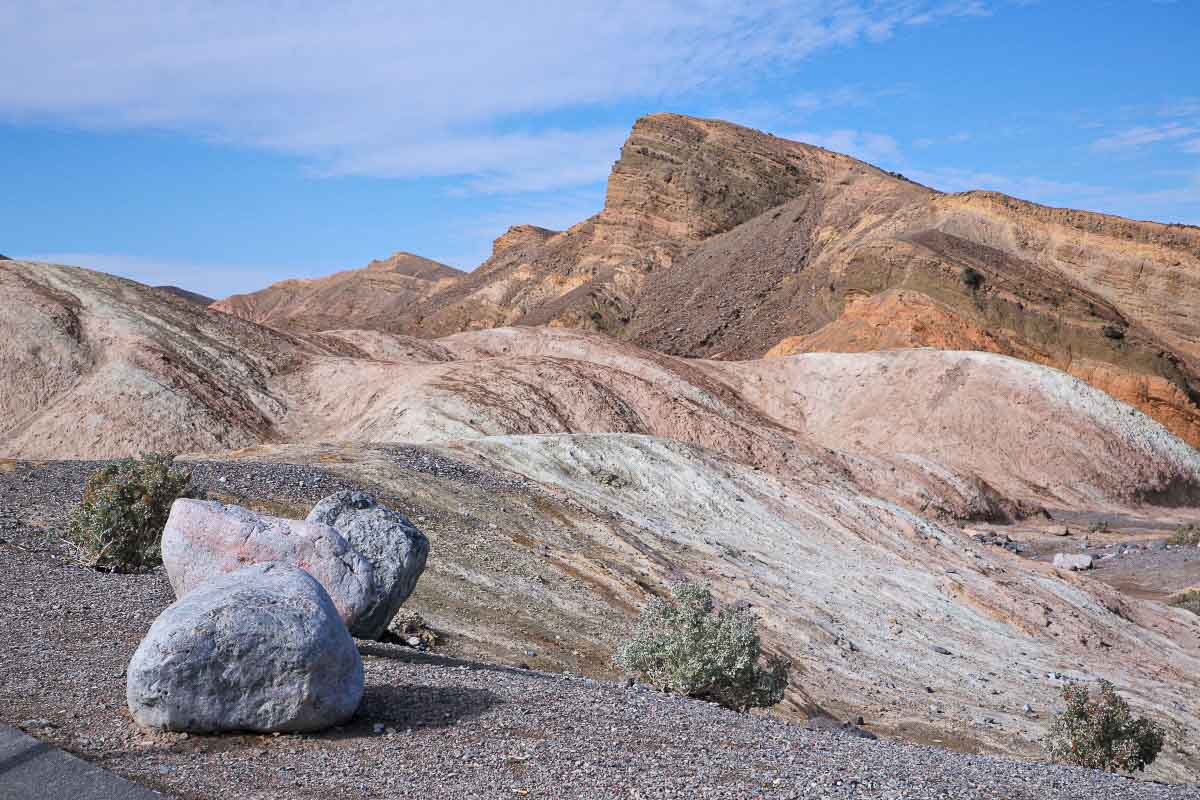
(429,727)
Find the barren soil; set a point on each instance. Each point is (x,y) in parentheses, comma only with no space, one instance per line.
(429,726)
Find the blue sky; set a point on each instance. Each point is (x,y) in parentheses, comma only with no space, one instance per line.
(225,146)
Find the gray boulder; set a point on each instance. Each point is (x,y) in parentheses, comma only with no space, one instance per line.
(1072,561)
(204,539)
(260,649)
(396,549)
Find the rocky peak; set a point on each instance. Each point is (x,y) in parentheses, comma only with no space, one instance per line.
(412,265)
(520,236)
(687,178)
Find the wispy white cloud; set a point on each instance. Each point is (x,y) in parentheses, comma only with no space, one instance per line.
(954,138)
(514,162)
(375,87)
(1144,135)
(1045,190)
(869,146)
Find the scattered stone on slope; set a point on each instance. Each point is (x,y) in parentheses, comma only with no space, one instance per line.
(259,649)
(395,548)
(847,728)
(1002,540)
(204,539)
(1072,561)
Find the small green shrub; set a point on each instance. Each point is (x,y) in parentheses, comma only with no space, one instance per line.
(1188,600)
(971,277)
(119,525)
(1188,534)
(683,646)
(1102,734)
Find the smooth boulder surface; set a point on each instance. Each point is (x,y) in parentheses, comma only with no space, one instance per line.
(204,539)
(396,549)
(260,649)
(1072,561)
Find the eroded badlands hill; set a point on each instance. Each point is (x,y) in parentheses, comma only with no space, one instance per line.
(106,367)
(723,242)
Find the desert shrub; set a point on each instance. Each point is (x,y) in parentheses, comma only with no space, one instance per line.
(1113,332)
(1188,534)
(1102,734)
(409,624)
(1188,600)
(684,646)
(971,277)
(119,524)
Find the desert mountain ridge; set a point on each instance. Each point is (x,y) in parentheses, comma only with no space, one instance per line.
(360,298)
(187,294)
(719,241)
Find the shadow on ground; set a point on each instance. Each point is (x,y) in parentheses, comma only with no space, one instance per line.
(417,707)
(401,653)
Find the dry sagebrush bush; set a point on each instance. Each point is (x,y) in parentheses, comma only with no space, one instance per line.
(683,646)
(1188,600)
(1185,535)
(118,526)
(1102,734)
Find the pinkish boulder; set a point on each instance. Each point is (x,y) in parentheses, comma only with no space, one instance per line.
(204,539)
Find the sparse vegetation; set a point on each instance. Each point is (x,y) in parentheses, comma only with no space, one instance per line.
(972,277)
(409,624)
(686,646)
(119,525)
(1114,332)
(1098,527)
(1187,600)
(1102,734)
(1185,535)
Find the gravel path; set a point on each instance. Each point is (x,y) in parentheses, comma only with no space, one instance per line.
(429,727)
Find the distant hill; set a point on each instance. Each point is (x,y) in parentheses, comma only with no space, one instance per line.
(191,297)
(368,298)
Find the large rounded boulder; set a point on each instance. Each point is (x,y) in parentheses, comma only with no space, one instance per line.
(204,539)
(396,549)
(260,649)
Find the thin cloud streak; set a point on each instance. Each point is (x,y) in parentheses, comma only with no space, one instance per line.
(1143,136)
(864,145)
(400,91)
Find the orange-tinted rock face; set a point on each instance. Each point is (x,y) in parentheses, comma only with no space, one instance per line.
(905,319)
(688,179)
(901,319)
(520,236)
